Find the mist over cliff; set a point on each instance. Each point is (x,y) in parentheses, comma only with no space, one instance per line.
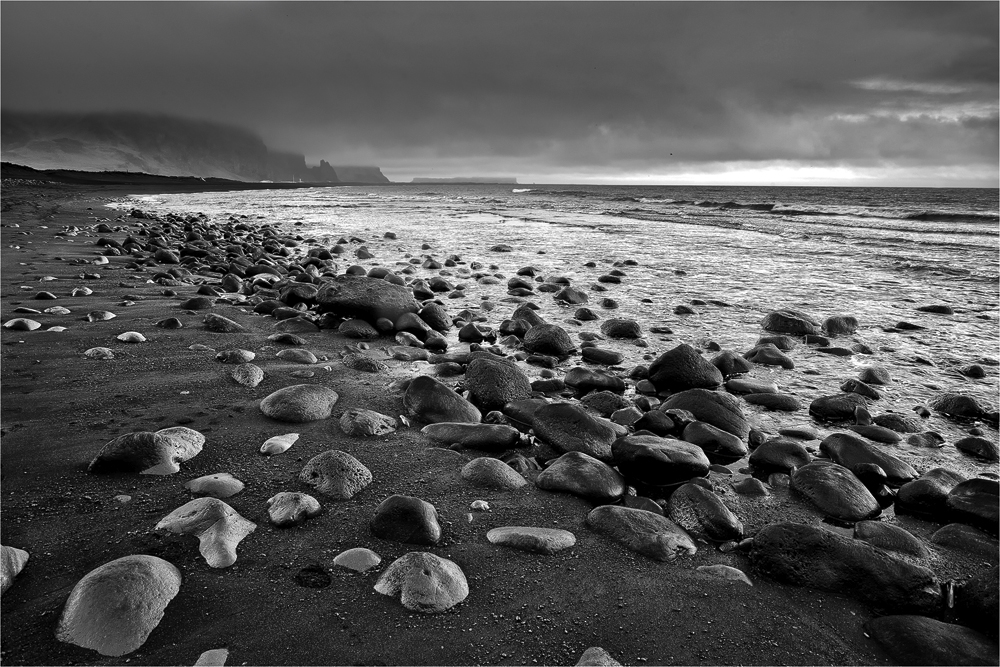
(158,144)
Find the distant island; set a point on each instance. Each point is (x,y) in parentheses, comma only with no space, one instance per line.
(501,180)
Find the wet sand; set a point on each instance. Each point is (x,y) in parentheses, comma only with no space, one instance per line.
(59,408)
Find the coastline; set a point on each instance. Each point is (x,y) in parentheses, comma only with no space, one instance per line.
(60,408)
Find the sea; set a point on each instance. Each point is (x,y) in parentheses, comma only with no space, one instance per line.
(874,253)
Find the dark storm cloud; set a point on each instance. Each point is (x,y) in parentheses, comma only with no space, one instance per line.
(536,87)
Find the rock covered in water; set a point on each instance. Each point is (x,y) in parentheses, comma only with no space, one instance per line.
(813,557)
(114,608)
(957,405)
(919,640)
(975,502)
(981,447)
(839,407)
(12,561)
(336,474)
(290,508)
(430,401)
(569,428)
(836,491)
(219,485)
(300,403)
(683,368)
(538,540)
(363,422)
(840,325)
(699,511)
(582,475)
(218,527)
(147,453)
(617,327)
(425,583)
(644,532)
(406,519)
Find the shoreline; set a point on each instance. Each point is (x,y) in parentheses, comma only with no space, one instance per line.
(60,408)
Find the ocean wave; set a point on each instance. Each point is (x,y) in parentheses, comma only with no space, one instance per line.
(520,190)
(944,216)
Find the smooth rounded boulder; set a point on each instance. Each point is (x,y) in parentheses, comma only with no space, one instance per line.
(719,410)
(975,502)
(570,428)
(683,368)
(585,380)
(492,473)
(365,298)
(835,491)
(839,407)
(300,403)
(699,511)
(493,383)
(548,339)
(780,455)
(406,519)
(12,561)
(720,446)
(919,640)
(647,533)
(431,402)
(851,451)
(927,496)
(290,508)
(486,437)
(790,321)
(584,476)
(424,582)
(159,453)
(527,538)
(116,606)
(813,557)
(656,461)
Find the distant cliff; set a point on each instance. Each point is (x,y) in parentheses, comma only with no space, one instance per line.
(158,144)
(502,180)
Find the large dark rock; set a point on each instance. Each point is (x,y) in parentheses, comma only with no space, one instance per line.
(655,461)
(889,537)
(528,314)
(621,328)
(976,502)
(656,422)
(968,540)
(300,403)
(977,601)
(365,298)
(586,380)
(431,402)
(570,428)
(699,511)
(548,339)
(836,491)
(720,446)
(780,455)
(406,519)
(683,368)
(839,407)
(521,414)
(919,640)
(957,405)
(769,355)
(582,475)
(981,447)
(436,317)
(850,451)
(774,401)
(790,321)
(647,533)
(927,496)
(729,363)
(487,437)
(898,423)
(809,556)
(493,383)
(719,410)
(840,325)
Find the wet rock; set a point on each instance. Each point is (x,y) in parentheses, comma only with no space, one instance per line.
(219,324)
(972,541)
(360,362)
(719,445)
(981,447)
(12,561)
(218,527)
(876,433)
(425,583)
(858,387)
(486,437)
(493,383)
(752,487)
(571,295)
(336,474)
(849,451)
(840,325)
(570,428)
(749,386)
(548,339)
(585,380)
(248,375)
(839,407)
(659,462)
(147,453)
(582,475)
(889,537)
(365,298)
(975,502)
(595,656)
(958,405)
(874,375)
(596,355)
(300,403)
(492,473)
(406,519)
(429,401)
(836,491)
(769,355)
(116,606)
(730,364)
(537,540)
(436,317)
(197,303)
(644,532)
(219,485)
(701,512)
(809,556)
(621,328)
(898,423)
(781,455)
(358,329)
(976,602)
(719,410)
(790,321)
(358,559)
(783,343)
(656,422)
(919,640)
(683,368)
(775,401)
(362,422)
(927,496)
(604,402)
(288,508)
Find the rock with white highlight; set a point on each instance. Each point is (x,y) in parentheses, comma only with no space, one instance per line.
(218,527)
(12,561)
(278,444)
(425,582)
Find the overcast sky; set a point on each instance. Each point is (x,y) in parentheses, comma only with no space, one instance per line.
(862,93)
